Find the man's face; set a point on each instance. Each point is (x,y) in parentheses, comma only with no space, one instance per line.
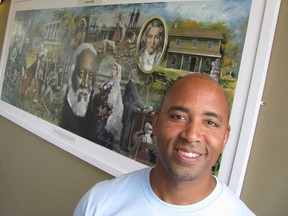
(153,40)
(191,129)
(83,73)
(79,94)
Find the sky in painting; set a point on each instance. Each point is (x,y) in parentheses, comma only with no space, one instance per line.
(228,11)
(233,13)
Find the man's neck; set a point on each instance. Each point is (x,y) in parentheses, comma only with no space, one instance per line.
(177,192)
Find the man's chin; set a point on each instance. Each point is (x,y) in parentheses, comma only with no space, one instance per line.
(80,109)
(78,103)
(151,51)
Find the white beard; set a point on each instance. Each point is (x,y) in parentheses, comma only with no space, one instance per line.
(78,103)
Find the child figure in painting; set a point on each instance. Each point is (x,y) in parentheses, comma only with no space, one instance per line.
(146,136)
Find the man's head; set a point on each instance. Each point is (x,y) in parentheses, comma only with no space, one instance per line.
(191,127)
(153,36)
(80,83)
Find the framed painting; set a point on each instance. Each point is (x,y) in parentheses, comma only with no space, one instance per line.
(87,76)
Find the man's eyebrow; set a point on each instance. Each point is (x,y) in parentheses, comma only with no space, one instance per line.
(178,108)
(213,114)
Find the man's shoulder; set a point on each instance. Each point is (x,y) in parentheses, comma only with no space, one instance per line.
(228,194)
(158,56)
(116,192)
(231,201)
(130,84)
(132,179)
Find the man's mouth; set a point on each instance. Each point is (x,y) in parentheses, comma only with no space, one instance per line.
(188,154)
(83,96)
(151,49)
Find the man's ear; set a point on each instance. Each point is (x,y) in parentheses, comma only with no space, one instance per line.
(155,122)
(226,136)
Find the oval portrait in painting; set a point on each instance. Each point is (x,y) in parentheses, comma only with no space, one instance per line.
(151,44)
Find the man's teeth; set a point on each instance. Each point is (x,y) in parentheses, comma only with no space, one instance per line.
(188,154)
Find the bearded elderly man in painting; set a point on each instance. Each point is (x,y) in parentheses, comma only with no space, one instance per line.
(75,113)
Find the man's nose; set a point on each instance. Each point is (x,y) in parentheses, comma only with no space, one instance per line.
(192,132)
(85,82)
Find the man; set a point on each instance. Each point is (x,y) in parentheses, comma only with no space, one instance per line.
(36,72)
(79,89)
(51,86)
(191,130)
(39,73)
(136,19)
(131,16)
(131,101)
(150,55)
(23,57)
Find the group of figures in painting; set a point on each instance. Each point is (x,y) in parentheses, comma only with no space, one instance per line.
(100,114)
(85,76)
(97,103)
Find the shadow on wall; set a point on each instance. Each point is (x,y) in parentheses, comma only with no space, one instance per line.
(4,11)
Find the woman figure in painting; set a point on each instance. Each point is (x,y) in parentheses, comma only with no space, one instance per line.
(114,124)
(108,101)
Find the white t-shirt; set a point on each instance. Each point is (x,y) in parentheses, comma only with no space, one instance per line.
(131,195)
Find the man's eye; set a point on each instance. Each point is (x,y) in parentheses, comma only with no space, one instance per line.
(81,73)
(212,123)
(178,117)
